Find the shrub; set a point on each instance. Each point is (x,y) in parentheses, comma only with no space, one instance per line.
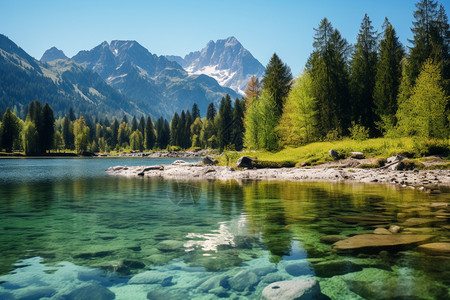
(359,132)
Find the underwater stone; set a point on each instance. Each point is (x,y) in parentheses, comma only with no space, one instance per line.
(330,239)
(32,293)
(376,243)
(336,267)
(169,245)
(214,282)
(292,290)
(150,277)
(158,259)
(411,222)
(133,264)
(94,291)
(263,271)
(245,279)
(166,295)
(435,248)
(299,269)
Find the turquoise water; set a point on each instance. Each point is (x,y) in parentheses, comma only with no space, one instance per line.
(71,231)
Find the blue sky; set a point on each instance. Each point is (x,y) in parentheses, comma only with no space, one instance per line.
(178,27)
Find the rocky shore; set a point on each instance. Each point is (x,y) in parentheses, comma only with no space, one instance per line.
(427,180)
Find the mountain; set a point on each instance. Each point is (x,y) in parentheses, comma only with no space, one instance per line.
(226,60)
(61,83)
(53,54)
(156,84)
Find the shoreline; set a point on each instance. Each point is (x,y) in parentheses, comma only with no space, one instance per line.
(424,180)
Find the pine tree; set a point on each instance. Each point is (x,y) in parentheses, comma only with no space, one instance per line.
(67,134)
(253,89)
(150,137)
(72,115)
(134,124)
(237,134)
(427,42)
(174,130)
(47,128)
(141,126)
(424,114)
(224,122)
(10,130)
(181,130)
(388,77)
(124,119)
(136,141)
(211,113)
(186,137)
(195,112)
(277,81)
(328,68)
(362,74)
(114,133)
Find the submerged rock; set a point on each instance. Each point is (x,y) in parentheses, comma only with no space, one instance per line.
(411,222)
(31,293)
(170,245)
(151,277)
(376,243)
(93,291)
(335,267)
(331,239)
(363,219)
(213,283)
(435,248)
(243,280)
(299,269)
(292,290)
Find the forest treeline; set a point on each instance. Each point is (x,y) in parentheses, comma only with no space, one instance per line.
(373,88)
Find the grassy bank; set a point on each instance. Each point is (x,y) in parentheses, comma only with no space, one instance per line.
(317,153)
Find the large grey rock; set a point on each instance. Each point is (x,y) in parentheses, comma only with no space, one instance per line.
(245,279)
(244,162)
(31,293)
(292,290)
(209,161)
(333,154)
(93,291)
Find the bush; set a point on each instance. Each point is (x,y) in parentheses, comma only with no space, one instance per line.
(359,132)
(431,147)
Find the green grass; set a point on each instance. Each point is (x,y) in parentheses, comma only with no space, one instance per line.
(317,153)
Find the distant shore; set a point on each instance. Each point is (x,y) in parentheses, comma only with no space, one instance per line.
(427,180)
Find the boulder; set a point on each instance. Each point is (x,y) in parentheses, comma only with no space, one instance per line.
(435,249)
(412,222)
(178,162)
(213,283)
(333,154)
(394,229)
(244,162)
(371,243)
(357,155)
(93,291)
(292,290)
(209,161)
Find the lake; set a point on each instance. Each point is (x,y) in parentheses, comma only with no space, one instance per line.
(71,231)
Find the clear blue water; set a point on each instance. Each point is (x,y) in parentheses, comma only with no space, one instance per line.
(71,231)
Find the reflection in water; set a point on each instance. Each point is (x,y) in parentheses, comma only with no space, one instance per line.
(130,224)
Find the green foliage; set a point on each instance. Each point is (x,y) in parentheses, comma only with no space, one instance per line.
(196,129)
(30,138)
(10,131)
(237,132)
(298,122)
(81,132)
(277,81)
(137,141)
(431,147)
(387,79)
(424,113)
(358,132)
(362,74)
(150,136)
(211,113)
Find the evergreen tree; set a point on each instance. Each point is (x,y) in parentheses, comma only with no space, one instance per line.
(136,141)
(141,126)
(47,128)
(174,130)
(430,37)
(67,134)
(181,141)
(237,134)
(10,130)
(253,89)
(195,112)
(165,134)
(150,137)
(134,124)
(81,132)
(277,81)
(124,119)
(71,115)
(186,137)
(114,133)
(388,77)
(362,74)
(224,122)
(211,113)
(328,68)
(424,113)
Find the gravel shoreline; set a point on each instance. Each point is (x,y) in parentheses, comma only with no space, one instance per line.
(428,180)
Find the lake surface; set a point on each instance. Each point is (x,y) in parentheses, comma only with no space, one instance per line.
(71,231)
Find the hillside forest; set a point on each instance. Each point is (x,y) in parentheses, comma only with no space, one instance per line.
(374,88)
